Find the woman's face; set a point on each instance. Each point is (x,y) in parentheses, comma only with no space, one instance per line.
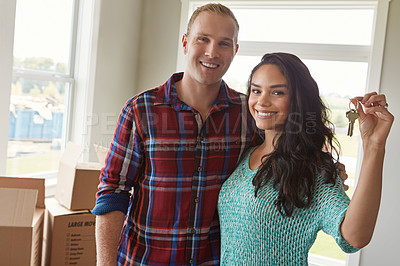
(269,98)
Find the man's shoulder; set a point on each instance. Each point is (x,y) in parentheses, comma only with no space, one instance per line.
(235,96)
(157,94)
(236,93)
(144,97)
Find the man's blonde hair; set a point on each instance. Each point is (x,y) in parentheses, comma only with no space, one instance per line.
(213,8)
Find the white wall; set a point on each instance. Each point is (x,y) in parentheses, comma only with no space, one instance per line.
(136,50)
(384,248)
(116,66)
(159,42)
(6,57)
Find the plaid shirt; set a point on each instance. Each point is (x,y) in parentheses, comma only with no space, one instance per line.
(176,164)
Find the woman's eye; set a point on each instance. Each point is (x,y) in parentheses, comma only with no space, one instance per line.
(255,91)
(278,93)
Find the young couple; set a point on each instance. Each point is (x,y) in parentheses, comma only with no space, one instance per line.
(207,189)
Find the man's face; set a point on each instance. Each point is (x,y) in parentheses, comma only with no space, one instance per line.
(210,48)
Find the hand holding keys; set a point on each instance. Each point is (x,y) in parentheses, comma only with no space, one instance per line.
(373,116)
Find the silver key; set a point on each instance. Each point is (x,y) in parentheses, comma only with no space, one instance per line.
(352,116)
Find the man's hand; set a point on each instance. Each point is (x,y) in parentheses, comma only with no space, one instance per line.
(342,174)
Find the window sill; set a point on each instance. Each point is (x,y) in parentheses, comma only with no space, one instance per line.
(50,181)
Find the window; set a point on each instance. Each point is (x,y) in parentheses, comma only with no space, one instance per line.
(342,44)
(43,68)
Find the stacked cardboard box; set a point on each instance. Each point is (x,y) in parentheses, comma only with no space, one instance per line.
(69,236)
(21,220)
(63,226)
(69,225)
(77,181)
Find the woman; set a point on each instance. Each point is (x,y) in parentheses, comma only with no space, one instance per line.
(286,190)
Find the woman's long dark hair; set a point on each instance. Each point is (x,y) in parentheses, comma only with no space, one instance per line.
(305,147)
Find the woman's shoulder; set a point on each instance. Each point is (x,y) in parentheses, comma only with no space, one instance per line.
(326,190)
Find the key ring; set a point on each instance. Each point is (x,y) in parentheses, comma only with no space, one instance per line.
(350,103)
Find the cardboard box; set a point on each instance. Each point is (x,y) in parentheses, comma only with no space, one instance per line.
(77,181)
(69,236)
(21,220)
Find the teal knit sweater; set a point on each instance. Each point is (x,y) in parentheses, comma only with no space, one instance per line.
(253,232)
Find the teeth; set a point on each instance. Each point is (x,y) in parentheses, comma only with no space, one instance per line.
(209,65)
(265,114)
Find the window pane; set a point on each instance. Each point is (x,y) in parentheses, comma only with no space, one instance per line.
(239,71)
(37,126)
(43,30)
(344,79)
(338,82)
(328,26)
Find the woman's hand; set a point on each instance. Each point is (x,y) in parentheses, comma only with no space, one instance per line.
(374,118)
(375,122)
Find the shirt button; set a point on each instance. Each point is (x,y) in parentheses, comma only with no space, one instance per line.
(191,261)
(193,231)
(196,200)
(199,168)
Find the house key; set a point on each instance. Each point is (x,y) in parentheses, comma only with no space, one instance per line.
(352,116)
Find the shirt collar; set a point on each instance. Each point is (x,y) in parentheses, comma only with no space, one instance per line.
(167,95)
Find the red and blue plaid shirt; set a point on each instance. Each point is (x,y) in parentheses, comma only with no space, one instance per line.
(176,164)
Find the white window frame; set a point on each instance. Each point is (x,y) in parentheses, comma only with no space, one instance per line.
(5,83)
(372,54)
(81,76)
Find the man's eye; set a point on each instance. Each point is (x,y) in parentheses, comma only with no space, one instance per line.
(255,91)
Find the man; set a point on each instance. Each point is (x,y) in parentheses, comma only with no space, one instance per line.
(175,145)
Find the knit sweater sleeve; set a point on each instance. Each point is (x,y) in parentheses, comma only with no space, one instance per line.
(333,203)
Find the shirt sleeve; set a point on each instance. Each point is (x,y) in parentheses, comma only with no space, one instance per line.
(334,203)
(122,166)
